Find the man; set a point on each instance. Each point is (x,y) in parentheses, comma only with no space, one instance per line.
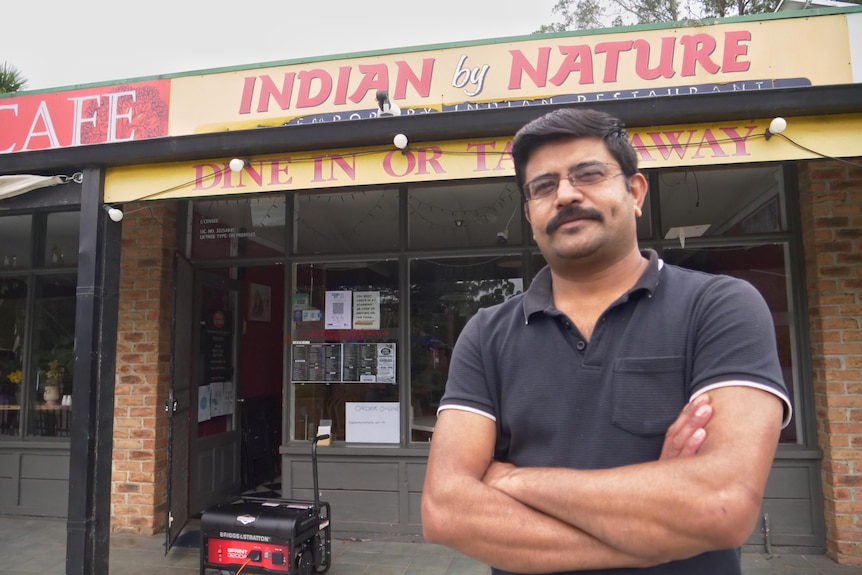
(575,433)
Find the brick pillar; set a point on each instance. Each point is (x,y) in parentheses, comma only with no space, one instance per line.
(139,474)
(831,210)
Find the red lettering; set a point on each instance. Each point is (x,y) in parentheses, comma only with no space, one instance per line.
(674,144)
(307,79)
(276,169)
(698,48)
(709,141)
(206,172)
(349,169)
(247,95)
(389,168)
(433,160)
(255,174)
(665,64)
(740,141)
(506,156)
(578,59)
(406,75)
(374,77)
(733,49)
(612,62)
(520,64)
(268,90)
(481,152)
(341,87)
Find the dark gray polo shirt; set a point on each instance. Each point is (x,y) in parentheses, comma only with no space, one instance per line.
(561,401)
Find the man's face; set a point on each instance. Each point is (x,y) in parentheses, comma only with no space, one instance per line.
(583,222)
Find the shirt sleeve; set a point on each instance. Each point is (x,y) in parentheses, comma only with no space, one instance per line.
(467,385)
(735,341)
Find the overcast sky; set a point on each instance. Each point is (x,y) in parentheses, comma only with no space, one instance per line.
(60,43)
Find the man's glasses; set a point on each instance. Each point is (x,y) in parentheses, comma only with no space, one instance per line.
(582,176)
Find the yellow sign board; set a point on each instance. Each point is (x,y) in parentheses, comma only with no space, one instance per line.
(666,146)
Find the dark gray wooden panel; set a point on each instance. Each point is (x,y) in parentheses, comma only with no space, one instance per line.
(789,483)
(416,477)
(8,465)
(47,466)
(354,475)
(47,497)
(414,509)
(357,507)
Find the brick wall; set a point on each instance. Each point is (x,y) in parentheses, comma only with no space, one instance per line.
(139,474)
(831,210)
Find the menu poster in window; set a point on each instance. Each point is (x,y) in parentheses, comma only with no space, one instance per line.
(316,362)
(369,362)
(386,362)
(372,422)
(366,310)
(337,310)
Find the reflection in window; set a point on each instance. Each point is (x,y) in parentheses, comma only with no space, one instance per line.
(61,239)
(464,215)
(346,222)
(721,201)
(444,294)
(15,242)
(13,298)
(245,227)
(50,374)
(345,327)
(767,269)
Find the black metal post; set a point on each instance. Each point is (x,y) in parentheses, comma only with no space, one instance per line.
(89,521)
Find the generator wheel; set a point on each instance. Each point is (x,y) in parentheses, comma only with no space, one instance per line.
(304,563)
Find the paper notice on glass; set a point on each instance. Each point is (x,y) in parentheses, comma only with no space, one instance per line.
(366,310)
(373,422)
(386,363)
(227,397)
(337,311)
(204,403)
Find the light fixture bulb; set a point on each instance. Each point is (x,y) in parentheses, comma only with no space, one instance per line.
(777,125)
(236,165)
(115,214)
(400,141)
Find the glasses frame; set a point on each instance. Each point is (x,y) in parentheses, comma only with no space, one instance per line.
(570,176)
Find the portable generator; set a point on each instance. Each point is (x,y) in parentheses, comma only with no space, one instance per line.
(264,535)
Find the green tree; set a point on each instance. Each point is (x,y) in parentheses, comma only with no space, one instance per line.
(11,79)
(589,14)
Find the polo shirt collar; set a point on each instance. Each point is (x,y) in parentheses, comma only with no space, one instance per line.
(539,298)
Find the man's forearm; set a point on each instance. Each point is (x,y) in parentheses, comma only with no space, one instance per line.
(494,528)
(666,509)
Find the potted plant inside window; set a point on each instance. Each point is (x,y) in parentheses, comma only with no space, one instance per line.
(57,368)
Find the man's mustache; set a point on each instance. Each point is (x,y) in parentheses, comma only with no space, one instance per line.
(571,213)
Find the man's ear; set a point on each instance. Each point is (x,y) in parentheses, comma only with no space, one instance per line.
(639,186)
(527,212)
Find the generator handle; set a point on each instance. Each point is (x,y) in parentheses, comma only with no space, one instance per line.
(314,469)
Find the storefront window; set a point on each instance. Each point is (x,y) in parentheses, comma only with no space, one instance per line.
(464,215)
(251,227)
(346,222)
(343,354)
(13,301)
(444,294)
(61,239)
(721,201)
(49,378)
(15,242)
(766,267)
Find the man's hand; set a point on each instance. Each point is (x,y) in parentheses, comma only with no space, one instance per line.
(687,434)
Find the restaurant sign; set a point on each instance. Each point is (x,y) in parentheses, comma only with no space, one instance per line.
(745,54)
(668,146)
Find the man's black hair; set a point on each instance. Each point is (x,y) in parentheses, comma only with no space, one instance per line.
(567,123)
